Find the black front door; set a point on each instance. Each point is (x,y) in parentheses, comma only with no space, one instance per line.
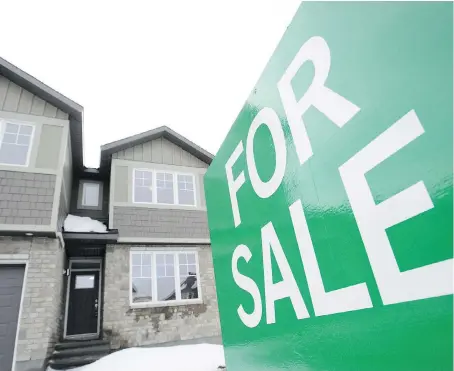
(82,318)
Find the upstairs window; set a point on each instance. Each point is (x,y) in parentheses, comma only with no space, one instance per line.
(90,194)
(165,188)
(143,186)
(15,144)
(186,194)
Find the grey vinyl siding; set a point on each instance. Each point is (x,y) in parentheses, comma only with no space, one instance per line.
(26,198)
(160,223)
(15,99)
(48,155)
(160,151)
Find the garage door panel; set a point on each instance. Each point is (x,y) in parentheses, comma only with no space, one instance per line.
(11,281)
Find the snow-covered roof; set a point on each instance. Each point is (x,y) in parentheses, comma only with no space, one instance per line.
(85,224)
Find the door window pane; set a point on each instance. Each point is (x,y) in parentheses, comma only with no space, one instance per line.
(186,195)
(85,281)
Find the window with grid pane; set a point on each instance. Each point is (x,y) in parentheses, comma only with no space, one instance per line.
(164,276)
(143,186)
(188,276)
(15,143)
(164,188)
(186,195)
(141,282)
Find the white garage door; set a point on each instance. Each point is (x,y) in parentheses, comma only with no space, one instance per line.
(11,280)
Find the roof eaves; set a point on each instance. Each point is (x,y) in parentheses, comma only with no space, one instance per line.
(165,131)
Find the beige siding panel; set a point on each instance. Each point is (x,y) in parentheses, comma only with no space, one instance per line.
(201,191)
(4,82)
(25,102)
(50,110)
(146,152)
(49,147)
(62,115)
(15,99)
(160,151)
(156,151)
(37,106)
(12,98)
(185,158)
(121,184)
(167,152)
(129,154)
(177,152)
(138,153)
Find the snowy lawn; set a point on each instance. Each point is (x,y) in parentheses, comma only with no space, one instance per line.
(197,357)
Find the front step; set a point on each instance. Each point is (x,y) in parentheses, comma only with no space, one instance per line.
(74,352)
(80,344)
(78,353)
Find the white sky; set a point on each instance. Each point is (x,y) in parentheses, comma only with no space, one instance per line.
(190,64)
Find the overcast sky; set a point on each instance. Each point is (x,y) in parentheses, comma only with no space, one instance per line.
(134,66)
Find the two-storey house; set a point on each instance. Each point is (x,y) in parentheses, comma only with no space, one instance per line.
(96,259)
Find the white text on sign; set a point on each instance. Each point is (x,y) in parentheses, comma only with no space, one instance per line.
(395,286)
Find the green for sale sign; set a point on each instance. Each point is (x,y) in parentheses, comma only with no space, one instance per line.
(330,202)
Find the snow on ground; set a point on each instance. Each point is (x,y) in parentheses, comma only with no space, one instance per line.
(197,357)
(75,223)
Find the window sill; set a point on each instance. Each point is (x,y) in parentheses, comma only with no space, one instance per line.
(165,304)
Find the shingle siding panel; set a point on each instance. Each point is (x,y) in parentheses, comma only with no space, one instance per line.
(26,198)
(160,223)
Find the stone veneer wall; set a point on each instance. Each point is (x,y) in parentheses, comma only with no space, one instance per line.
(39,324)
(126,326)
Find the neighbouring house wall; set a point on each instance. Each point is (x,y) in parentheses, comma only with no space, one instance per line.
(154,220)
(160,151)
(126,326)
(30,195)
(26,198)
(39,323)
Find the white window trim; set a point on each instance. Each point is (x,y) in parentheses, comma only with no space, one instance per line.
(3,123)
(83,193)
(154,190)
(169,303)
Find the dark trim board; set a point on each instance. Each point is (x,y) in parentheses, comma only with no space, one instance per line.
(83,237)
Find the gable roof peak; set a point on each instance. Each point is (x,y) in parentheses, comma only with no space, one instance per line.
(162,131)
